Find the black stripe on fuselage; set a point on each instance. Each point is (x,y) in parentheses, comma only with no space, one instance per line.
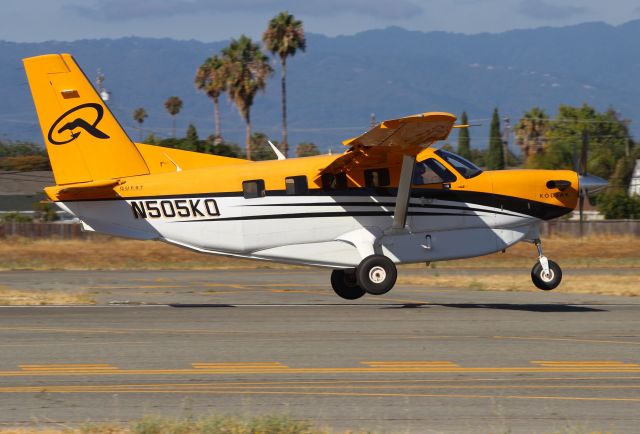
(386,204)
(319,214)
(540,210)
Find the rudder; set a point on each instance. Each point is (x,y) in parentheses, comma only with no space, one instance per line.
(84,140)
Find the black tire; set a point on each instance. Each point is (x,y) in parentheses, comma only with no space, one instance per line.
(377,274)
(345,284)
(546,283)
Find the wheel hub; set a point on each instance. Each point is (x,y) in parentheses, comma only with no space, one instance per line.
(547,277)
(377,274)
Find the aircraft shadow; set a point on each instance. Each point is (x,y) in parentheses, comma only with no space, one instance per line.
(525,307)
(500,306)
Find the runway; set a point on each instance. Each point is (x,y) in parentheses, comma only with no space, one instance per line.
(267,341)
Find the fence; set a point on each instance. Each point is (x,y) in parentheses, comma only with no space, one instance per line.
(555,227)
(595,227)
(66,231)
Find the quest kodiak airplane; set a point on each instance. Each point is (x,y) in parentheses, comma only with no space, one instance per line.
(388,199)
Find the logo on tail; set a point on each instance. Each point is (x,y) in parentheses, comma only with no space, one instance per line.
(77,123)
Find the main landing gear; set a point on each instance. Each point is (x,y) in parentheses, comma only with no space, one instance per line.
(546,274)
(375,275)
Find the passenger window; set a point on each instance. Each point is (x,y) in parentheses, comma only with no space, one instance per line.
(296,185)
(334,182)
(376,177)
(253,189)
(431,171)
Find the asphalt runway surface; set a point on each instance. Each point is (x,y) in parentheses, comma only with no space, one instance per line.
(416,360)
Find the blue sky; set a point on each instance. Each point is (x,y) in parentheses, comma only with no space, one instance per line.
(213,20)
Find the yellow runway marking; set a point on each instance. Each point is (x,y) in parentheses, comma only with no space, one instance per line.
(585,364)
(75,368)
(271,369)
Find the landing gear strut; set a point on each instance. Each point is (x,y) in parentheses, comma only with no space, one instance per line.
(546,274)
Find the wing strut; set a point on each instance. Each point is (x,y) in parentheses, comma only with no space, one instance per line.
(404,192)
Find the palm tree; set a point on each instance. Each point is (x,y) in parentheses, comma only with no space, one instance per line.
(530,132)
(283,37)
(247,72)
(173,104)
(139,115)
(211,78)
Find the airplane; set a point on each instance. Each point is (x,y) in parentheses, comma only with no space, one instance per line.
(390,198)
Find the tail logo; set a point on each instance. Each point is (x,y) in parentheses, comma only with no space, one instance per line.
(75,124)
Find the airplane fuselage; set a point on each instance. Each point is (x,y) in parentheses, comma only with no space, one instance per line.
(327,223)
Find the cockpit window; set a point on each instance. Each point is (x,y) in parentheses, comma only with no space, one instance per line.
(431,171)
(465,167)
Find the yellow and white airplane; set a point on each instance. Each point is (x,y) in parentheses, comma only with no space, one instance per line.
(388,199)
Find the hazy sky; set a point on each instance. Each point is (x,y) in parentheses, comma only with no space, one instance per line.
(212,20)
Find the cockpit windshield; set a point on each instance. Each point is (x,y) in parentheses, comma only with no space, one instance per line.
(465,167)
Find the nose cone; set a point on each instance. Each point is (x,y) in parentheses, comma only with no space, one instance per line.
(591,183)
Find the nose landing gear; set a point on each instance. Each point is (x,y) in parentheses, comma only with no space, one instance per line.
(545,274)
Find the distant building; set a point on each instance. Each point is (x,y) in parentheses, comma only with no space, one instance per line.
(22,191)
(634,186)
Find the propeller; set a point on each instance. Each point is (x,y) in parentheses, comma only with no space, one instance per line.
(587,184)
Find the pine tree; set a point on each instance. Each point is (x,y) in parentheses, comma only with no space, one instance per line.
(464,142)
(191,140)
(495,155)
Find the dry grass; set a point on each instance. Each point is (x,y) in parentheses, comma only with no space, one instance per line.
(15,297)
(218,424)
(106,253)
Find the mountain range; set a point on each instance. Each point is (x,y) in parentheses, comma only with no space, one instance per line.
(339,82)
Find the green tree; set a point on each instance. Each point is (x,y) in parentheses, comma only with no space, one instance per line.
(464,141)
(530,134)
(307,149)
(151,139)
(227,149)
(45,212)
(139,115)
(260,148)
(21,149)
(617,205)
(608,137)
(191,142)
(495,154)
(283,37)
(248,70)
(173,105)
(211,78)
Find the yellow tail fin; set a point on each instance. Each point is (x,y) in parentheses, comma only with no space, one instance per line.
(84,140)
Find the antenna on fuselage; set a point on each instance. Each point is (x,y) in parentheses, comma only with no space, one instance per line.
(275,149)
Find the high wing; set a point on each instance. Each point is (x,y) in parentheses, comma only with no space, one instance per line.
(396,140)
(417,131)
(404,136)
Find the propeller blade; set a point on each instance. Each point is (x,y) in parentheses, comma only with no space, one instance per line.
(581,211)
(581,207)
(583,154)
